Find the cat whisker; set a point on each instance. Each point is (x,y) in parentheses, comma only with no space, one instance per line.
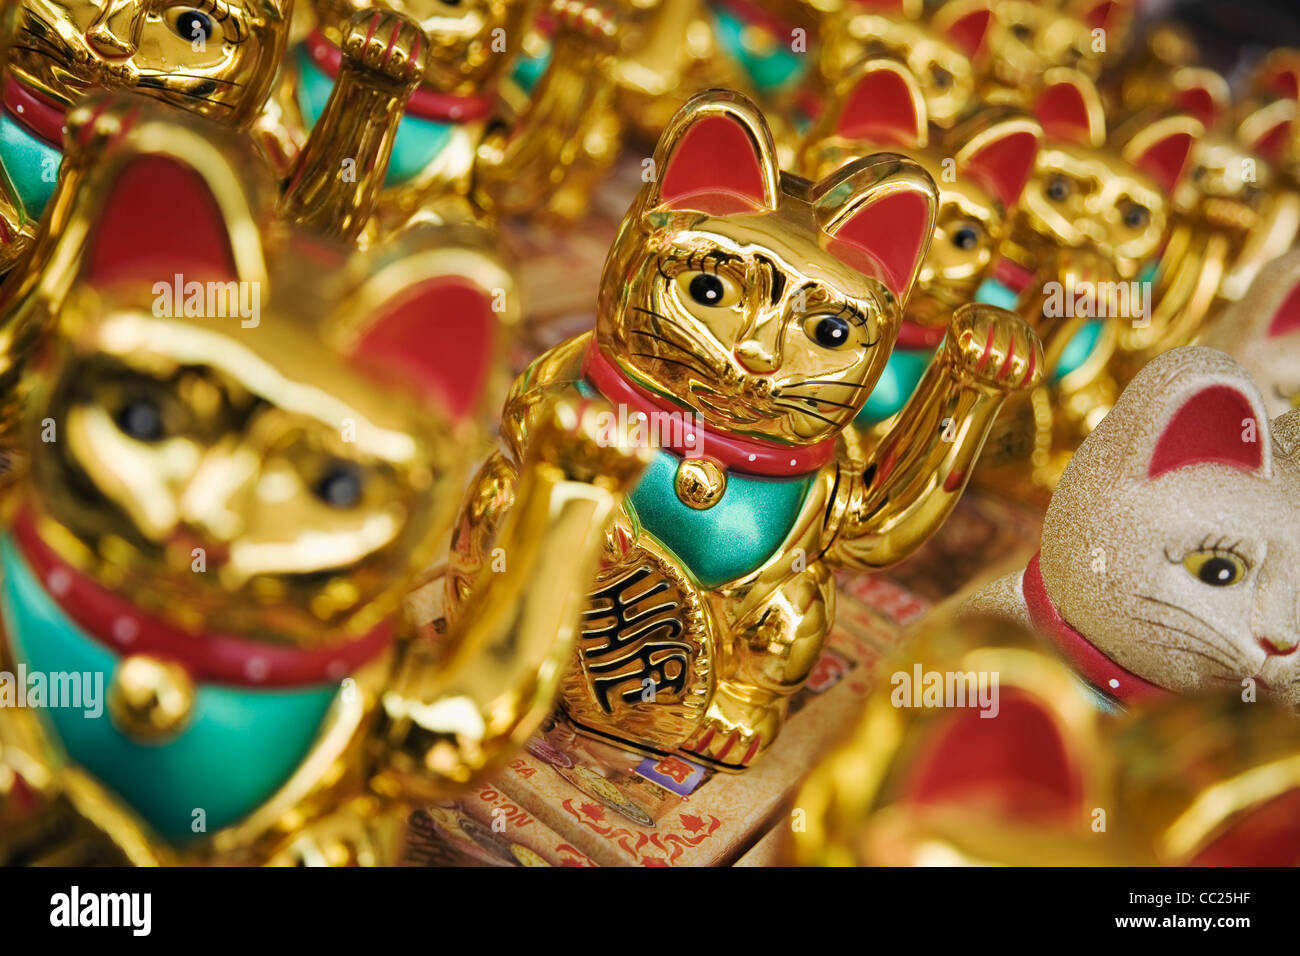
(195,76)
(804,410)
(670,361)
(704,359)
(1187,650)
(1235,663)
(811,398)
(1227,641)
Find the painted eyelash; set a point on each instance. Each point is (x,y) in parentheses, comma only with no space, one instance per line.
(1218,547)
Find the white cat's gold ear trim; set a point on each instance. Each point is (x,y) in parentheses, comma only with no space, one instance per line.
(716,156)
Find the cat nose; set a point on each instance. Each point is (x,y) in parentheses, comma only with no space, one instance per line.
(107,43)
(115,33)
(754,357)
(1278,646)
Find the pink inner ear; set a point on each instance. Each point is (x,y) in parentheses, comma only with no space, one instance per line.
(715,168)
(1064,113)
(969,31)
(1287,317)
(438,336)
(1005,165)
(880,109)
(1200,102)
(1208,429)
(1165,160)
(159,219)
(1285,83)
(1272,145)
(1017,764)
(1098,16)
(885,238)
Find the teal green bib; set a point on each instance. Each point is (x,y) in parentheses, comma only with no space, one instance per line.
(241,744)
(528,70)
(31,164)
(770,72)
(895,386)
(418,140)
(729,540)
(993,292)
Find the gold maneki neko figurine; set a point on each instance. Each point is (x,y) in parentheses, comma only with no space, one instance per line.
(754,310)
(212,57)
(455,148)
(223,512)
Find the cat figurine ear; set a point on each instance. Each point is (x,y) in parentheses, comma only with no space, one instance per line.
(1168,543)
(881,104)
(1000,153)
(1161,147)
(879,215)
(1070,108)
(431,312)
(716,157)
(966,23)
(1262,331)
(1203,93)
(1268,130)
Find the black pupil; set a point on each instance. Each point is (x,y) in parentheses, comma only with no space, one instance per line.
(192,25)
(1021,32)
(965,238)
(1217,571)
(831,331)
(1057,189)
(706,289)
(141,420)
(340,487)
(941,77)
(1135,217)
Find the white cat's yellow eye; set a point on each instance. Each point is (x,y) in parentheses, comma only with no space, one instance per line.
(1218,569)
(713,291)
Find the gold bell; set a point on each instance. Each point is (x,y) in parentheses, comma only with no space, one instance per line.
(150,700)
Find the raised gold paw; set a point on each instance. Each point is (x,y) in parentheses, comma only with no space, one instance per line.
(589,442)
(994,348)
(386,44)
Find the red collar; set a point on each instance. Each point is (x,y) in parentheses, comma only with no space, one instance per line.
(40,115)
(217,658)
(918,337)
(1094,666)
(740,454)
(1013,275)
(424,102)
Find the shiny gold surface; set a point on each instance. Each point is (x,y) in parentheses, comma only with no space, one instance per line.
(193,437)
(735,363)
